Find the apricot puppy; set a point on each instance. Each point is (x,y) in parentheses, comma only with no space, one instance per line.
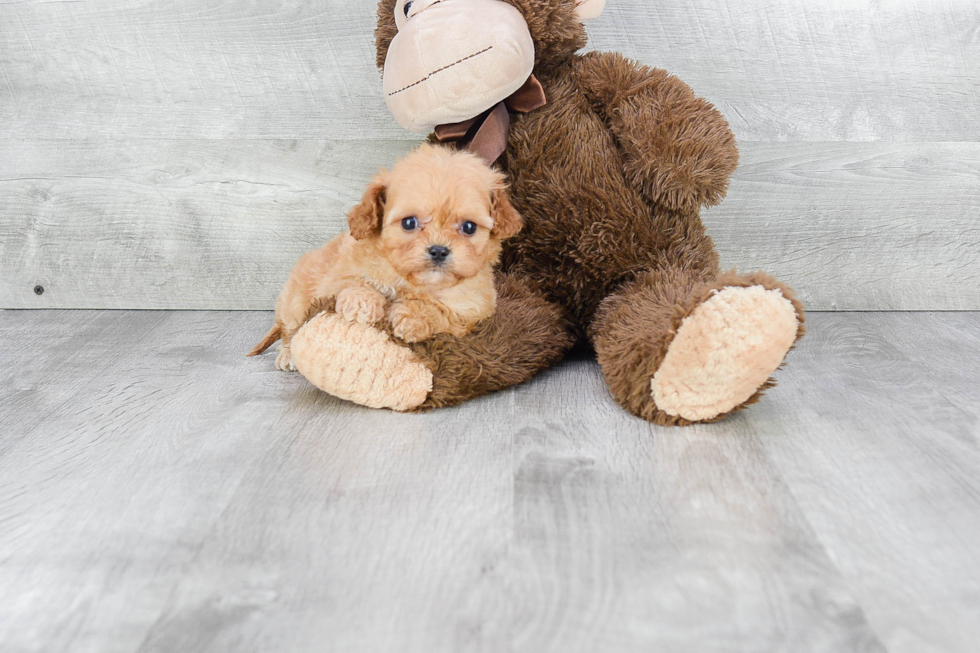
(421,250)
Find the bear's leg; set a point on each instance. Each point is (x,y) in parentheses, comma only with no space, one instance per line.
(678,350)
(367,366)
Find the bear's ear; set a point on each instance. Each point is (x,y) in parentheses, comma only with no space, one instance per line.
(385,31)
(366,218)
(587,9)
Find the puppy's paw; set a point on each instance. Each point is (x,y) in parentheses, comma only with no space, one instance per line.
(284,361)
(361,305)
(408,326)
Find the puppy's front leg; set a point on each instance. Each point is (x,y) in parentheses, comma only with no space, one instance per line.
(284,361)
(361,304)
(414,320)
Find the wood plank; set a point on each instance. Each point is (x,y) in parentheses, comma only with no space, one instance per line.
(199,501)
(821,70)
(874,428)
(371,532)
(189,499)
(172,224)
(38,341)
(530,521)
(636,538)
(218,224)
(780,69)
(131,69)
(858,226)
(105,502)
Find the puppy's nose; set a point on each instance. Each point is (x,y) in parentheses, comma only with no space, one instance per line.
(438,254)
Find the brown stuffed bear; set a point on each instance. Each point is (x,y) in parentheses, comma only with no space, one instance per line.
(609,167)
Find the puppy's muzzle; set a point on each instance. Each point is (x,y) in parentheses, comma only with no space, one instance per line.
(439,254)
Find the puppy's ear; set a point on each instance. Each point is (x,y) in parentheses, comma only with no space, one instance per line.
(506,220)
(365,219)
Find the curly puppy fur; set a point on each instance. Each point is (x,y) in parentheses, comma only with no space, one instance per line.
(421,250)
(610,177)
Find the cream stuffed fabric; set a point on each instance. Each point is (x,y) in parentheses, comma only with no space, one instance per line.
(589,9)
(461,72)
(466,67)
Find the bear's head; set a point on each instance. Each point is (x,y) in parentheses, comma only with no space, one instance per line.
(447,61)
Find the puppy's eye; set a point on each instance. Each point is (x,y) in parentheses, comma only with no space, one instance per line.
(410,224)
(468,228)
(408,8)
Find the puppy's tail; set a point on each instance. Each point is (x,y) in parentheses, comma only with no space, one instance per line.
(270,339)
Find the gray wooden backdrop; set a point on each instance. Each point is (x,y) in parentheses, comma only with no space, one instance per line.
(182,154)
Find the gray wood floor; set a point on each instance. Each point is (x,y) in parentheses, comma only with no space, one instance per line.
(160,492)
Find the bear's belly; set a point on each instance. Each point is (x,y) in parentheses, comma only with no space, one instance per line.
(586,229)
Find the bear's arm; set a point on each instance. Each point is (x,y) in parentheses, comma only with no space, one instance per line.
(678,149)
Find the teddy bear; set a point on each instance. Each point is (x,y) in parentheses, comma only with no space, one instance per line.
(609,162)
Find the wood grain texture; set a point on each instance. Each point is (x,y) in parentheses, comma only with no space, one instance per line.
(218,224)
(889,480)
(183,154)
(823,70)
(172,224)
(130,69)
(852,226)
(820,70)
(159,492)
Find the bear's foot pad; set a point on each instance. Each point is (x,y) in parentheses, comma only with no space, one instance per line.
(724,351)
(358,363)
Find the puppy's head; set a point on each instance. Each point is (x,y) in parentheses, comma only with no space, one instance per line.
(438,216)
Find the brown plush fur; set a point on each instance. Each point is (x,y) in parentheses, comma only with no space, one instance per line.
(610,176)
(500,352)
(380,269)
(635,326)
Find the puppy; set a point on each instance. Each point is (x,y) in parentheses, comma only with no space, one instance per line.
(421,250)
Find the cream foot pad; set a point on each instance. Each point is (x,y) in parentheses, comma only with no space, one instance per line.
(724,351)
(359,363)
